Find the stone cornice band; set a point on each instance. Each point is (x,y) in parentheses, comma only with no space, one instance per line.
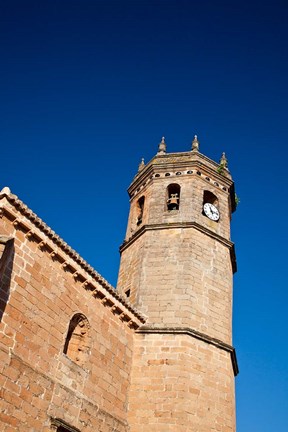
(176,225)
(193,333)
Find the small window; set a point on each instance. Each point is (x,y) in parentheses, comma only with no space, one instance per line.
(128,292)
(77,344)
(140,210)
(173,197)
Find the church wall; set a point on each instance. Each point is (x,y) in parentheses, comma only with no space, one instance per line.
(38,381)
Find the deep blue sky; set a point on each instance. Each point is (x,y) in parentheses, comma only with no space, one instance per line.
(89,87)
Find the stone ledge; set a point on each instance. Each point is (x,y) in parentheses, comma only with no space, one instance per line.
(198,335)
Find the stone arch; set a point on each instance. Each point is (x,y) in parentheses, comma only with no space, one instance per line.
(78,339)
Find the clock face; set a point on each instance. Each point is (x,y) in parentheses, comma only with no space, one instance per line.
(211,211)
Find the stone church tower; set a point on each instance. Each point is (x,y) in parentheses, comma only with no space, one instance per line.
(177,265)
(156,354)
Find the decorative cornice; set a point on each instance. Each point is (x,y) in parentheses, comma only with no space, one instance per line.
(183,225)
(59,251)
(195,334)
(172,164)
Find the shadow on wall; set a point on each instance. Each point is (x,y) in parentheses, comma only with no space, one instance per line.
(6,266)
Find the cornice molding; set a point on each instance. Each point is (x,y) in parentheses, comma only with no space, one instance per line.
(161,164)
(195,334)
(183,225)
(68,258)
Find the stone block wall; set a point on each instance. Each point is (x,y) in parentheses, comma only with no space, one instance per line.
(38,381)
(180,277)
(180,384)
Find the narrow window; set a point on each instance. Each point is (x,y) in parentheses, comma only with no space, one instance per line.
(140,210)
(173,197)
(77,344)
(128,292)
(6,266)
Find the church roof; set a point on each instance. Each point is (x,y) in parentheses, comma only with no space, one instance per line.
(35,228)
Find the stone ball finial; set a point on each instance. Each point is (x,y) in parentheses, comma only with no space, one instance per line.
(162,147)
(195,144)
(141,165)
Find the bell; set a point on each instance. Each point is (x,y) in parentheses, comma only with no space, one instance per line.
(173,202)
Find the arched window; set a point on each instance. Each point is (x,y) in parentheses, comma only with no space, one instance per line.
(210,206)
(78,340)
(209,197)
(173,197)
(140,210)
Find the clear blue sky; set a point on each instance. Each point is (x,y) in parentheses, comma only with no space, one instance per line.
(89,87)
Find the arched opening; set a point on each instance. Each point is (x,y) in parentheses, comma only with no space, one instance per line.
(77,343)
(209,197)
(140,210)
(173,197)
(210,206)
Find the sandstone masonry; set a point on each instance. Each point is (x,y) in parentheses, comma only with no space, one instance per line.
(154,355)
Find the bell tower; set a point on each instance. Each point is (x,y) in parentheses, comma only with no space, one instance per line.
(177,264)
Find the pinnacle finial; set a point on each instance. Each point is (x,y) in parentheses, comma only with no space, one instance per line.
(5,191)
(195,144)
(224,161)
(141,165)
(162,146)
